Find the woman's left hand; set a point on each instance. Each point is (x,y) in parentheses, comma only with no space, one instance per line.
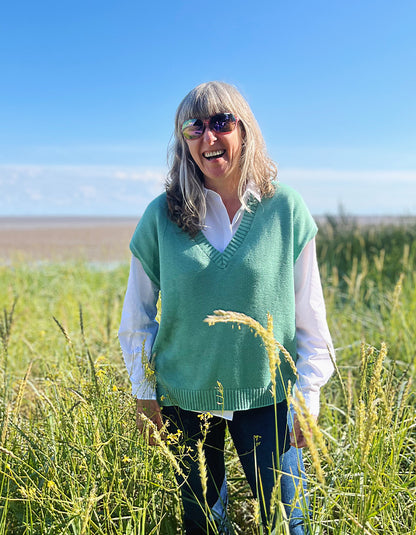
(297,438)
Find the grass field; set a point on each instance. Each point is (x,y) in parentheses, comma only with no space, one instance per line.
(70,457)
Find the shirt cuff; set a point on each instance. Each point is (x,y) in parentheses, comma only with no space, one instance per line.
(143,390)
(312,400)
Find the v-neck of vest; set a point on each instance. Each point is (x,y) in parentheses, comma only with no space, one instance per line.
(222,259)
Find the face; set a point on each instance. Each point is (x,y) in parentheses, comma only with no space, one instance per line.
(217,156)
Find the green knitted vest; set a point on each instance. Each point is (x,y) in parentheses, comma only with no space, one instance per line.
(202,367)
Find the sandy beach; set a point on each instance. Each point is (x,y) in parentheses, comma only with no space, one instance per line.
(97,239)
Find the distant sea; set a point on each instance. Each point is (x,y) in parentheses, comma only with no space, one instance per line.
(44,222)
(94,239)
(35,222)
(101,239)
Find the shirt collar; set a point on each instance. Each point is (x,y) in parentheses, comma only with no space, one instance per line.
(251,189)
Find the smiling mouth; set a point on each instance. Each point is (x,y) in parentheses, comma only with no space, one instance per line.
(213,154)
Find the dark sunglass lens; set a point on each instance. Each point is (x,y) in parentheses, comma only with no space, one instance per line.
(222,122)
(193,128)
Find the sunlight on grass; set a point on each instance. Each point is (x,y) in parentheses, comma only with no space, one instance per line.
(71,460)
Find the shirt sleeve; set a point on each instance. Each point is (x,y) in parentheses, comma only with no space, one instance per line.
(138,324)
(314,344)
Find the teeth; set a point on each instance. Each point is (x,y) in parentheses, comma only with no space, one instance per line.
(213,153)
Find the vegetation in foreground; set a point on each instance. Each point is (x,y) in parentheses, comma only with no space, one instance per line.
(70,457)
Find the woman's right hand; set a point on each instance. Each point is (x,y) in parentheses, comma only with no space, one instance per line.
(151,409)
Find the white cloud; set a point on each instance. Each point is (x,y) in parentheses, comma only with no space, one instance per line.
(350,176)
(88,192)
(83,189)
(34,195)
(385,192)
(126,190)
(140,176)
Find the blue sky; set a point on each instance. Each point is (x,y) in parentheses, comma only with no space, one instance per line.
(89,90)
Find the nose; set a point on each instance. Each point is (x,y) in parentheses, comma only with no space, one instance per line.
(209,135)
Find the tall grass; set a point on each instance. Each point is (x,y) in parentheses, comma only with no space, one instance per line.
(368,413)
(70,457)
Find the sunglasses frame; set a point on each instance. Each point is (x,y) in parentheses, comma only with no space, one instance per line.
(206,123)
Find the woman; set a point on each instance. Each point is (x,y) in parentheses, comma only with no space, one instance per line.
(226,236)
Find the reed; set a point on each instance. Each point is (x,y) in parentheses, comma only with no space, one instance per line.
(71,460)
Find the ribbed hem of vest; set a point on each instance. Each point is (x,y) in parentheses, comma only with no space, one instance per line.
(229,400)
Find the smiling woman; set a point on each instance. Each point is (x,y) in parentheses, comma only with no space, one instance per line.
(226,235)
(215,119)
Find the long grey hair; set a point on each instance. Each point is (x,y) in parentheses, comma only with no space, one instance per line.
(184,185)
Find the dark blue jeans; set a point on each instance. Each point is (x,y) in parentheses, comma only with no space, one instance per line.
(260,450)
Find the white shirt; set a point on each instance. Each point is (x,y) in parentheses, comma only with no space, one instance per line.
(138,324)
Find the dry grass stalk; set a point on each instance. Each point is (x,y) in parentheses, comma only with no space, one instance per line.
(148,367)
(276,495)
(311,433)
(8,452)
(403,398)
(397,293)
(6,418)
(405,259)
(267,335)
(21,391)
(202,467)
(220,395)
(160,442)
(349,391)
(63,331)
(370,397)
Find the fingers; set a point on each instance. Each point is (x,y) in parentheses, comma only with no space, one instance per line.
(298,441)
(148,410)
(151,409)
(157,419)
(297,438)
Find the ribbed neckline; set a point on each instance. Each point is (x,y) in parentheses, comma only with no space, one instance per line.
(222,259)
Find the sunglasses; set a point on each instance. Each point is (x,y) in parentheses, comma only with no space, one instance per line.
(220,123)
